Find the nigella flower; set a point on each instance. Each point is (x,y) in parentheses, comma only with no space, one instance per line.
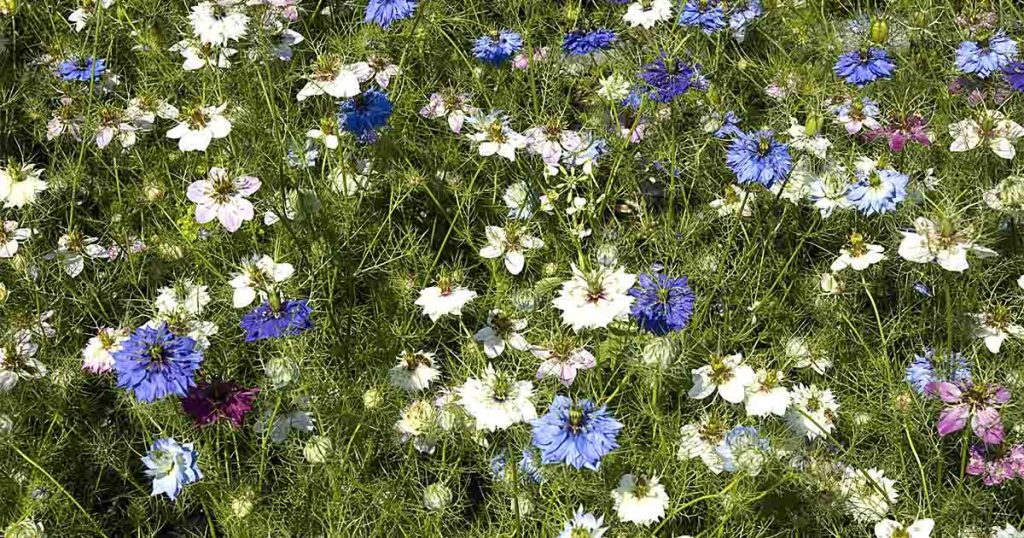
(911,129)
(1013,72)
(387,12)
(757,157)
(663,304)
(363,114)
(864,66)
(172,466)
(977,401)
(580,43)
(669,78)
(708,15)
(527,467)
(740,19)
(209,402)
(878,191)
(578,434)
(82,69)
(929,368)
(743,450)
(223,198)
(995,464)
(857,115)
(986,56)
(497,47)
(722,126)
(156,363)
(270,320)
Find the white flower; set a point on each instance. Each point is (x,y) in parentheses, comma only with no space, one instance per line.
(728,375)
(216,23)
(444,299)
(257,276)
(501,329)
(383,71)
(999,132)
(414,371)
(294,417)
(816,145)
(418,423)
(647,14)
(766,396)
(812,411)
(337,80)
(494,136)
(10,234)
(80,17)
(184,297)
(19,186)
(564,364)
(830,284)
(495,401)
(1020,282)
(97,356)
(994,328)
(455,107)
(511,245)
(197,56)
(946,247)
(800,353)
(614,87)
(698,440)
(73,248)
(593,299)
(325,133)
(868,498)
(17,361)
(1009,531)
(640,500)
(888,528)
(583,525)
(142,112)
(736,201)
(859,257)
(828,189)
(197,130)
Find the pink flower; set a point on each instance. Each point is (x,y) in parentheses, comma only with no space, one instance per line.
(911,129)
(223,198)
(974,401)
(996,464)
(563,364)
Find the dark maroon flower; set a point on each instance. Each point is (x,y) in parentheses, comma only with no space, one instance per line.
(209,402)
(910,129)
(977,402)
(996,463)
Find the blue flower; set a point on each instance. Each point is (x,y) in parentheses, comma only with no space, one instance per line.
(577,434)
(527,467)
(662,304)
(264,321)
(862,67)
(706,14)
(82,69)
(987,56)
(878,191)
(743,449)
(757,157)
(729,126)
(739,20)
(928,368)
(155,363)
(923,289)
(387,12)
(363,114)
(670,79)
(1014,73)
(583,43)
(172,466)
(497,47)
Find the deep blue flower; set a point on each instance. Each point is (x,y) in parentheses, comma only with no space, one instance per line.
(987,56)
(387,12)
(662,304)
(363,114)
(82,69)
(156,363)
(861,67)
(578,434)
(583,43)
(758,158)
(743,449)
(878,191)
(739,20)
(708,15)
(928,368)
(172,466)
(497,47)
(1014,73)
(672,78)
(264,321)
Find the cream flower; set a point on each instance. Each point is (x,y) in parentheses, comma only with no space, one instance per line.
(495,401)
(494,136)
(728,375)
(511,245)
(999,133)
(499,331)
(736,201)
(812,411)
(595,298)
(19,186)
(444,299)
(766,395)
(931,243)
(256,277)
(994,328)
(646,14)
(640,500)
(338,80)
(888,528)
(414,371)
(859,256)
(97,356)
(196,131)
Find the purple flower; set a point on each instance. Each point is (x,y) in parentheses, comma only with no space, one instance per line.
(671,78)
(986,56)
(708,15)
(578,434)
(977,402)
(289,318)
(864,66)
(583,43)
(1014,73)
(223,198)
(757,157)
(209,402)
(662,304)
(911,129)
(82,69)
(930,368)
(995,463)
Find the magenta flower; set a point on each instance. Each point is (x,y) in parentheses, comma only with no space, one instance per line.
(996,464)
(563,362)
(976,402)
(223,198)
(209,402)
(910,129)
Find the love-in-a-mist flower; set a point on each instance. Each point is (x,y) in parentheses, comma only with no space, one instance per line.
(171,466)
(708,15)
(197,56)
(18,361)
(977,402)
(735,202)
(756,157)
(326,132)
(80,17)
(501,329)
(494,136)
(662,304)
(496,401)
(766,395)
(861,67)
(995,327)
(857,115)
(888,528)
(509,243)
(808,138)
(743,449)
(911,128)
(443,299)
(10,235)
(1013,73)
(155,363)
(364,114)
(583,525)
(641,500)
(335,79)
(258,275)
(221,197)
(72,250)
(859,256)
(277,318)
(453,106)
(812,411)
(869,494)
(387,12)
(741,17)
(940,243)
(578,433)
(196,130)
(1007,195)
(932,368)
(207,403)
(82,69)
(727,375)
(668,78)
(218,22)
(19,185)
(98,353)
(877,190)
(414,371)
(995,464)
(647,13)
(995,129)
(986,56)
(592,299)
(581,43)
(563,360)
(497,47)
(700,440)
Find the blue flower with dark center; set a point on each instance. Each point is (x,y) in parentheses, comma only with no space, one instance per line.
(862,67)
(668,79)
(878,191)
(662,304)
(265,321)
(156,363)
(497,47)
(172,466)
(584,43)
(929,368)
(708,15)
(758,158)
(1014,73)
(387,12)
(82,69)
(578,434)
(987,56)
(363,114)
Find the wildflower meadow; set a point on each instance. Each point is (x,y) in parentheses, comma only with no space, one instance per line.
(512,268)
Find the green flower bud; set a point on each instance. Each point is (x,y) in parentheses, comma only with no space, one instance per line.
(879,31)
